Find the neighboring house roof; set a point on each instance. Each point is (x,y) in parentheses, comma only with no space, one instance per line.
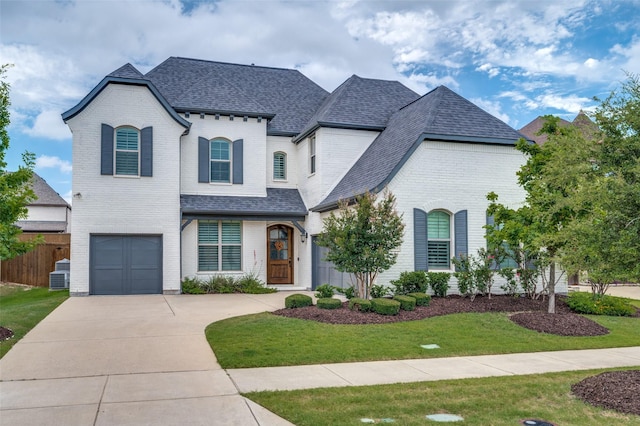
(47,196)
(438,115)
(279,203)
(285,95)
(587,127)
(42,225)
(360,103)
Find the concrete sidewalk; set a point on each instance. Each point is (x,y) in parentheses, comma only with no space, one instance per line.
(134,360)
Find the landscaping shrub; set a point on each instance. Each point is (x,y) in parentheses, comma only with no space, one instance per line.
(220,284)
(358,304)
(348,292)
(377,291)
(439,283)
(588,303)
(191,286)
(298,301)
(328,303)
(422,299)
(250,284)
(411,282)
(324,291)
(407,303)
(385,306)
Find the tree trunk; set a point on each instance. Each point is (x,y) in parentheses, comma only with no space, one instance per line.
(551,287)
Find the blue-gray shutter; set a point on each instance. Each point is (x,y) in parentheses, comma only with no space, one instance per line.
(420,240)
(237,161)
(106,150)
(146,151)
(460,234)
(203,160)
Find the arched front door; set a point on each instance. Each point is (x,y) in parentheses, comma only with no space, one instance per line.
(280,249)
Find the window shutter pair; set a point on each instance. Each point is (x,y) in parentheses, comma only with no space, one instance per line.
(236,161)
(106,150)
(420,237)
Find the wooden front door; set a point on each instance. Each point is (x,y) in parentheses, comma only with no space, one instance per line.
(280,249)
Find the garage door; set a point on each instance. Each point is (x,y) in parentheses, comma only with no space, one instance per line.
(323,272)
(126,264)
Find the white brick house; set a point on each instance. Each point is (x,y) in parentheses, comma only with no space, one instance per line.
(201,168)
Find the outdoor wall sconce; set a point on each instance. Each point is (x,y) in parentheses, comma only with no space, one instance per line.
(303,237)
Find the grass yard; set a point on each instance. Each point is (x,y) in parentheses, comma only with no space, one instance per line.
(21,308)
(265,340)
(492,401)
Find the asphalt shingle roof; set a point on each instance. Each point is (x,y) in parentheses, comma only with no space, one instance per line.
(361,103)
(439,115)
(46,195)
(281,202)
(197,85)
(126,71)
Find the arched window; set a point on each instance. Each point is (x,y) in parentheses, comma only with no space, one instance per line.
(127,152)
(220,156)
(279,166)
(439,239)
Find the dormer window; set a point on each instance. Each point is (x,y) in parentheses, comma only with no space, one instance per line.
(279,166)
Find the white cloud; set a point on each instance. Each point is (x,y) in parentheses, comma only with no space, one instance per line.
(48,124)
(570,103)
(492,107)
(53,162)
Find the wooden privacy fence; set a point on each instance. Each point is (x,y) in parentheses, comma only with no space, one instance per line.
(33,268)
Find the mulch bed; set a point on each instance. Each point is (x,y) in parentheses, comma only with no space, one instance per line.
(614,390)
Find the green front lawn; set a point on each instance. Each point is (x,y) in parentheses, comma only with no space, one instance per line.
(492,401)
(22,308)
(265,340)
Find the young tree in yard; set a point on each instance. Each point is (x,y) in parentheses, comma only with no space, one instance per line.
(15,187)
(363,238)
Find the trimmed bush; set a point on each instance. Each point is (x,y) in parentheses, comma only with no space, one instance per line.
(191,286)
(385,306)
(298,301)
(378,290)
(328,303)
(324,291)
(422,299)
(250,284)
(439,282)
(587,303)
(411,282)
(407,303)
(358,304)
(348,292)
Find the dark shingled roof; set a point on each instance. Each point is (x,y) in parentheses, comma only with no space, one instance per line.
(47,196)
(279,202)
(360,103)
(205,86)
(126,71)
(582,122)
(439,115)
(42,225)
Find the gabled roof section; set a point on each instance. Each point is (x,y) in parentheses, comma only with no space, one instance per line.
(47,196)
(126,75)
(582,122)
(360,103)
(285,95)
(439,115)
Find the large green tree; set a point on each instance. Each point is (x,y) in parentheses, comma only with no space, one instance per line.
(15,186)
(363,238)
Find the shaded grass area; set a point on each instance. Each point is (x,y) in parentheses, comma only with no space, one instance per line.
(264,340)
(493,401)
(22,308)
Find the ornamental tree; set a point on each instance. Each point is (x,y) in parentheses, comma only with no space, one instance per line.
(15,187)
(363,238)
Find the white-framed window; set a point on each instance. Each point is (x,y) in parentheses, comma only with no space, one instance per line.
(219,245)
(220,160)
(279,166)
(127,151)
(439,240)
(312,154)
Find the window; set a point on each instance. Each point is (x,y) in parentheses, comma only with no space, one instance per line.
(439,240)
(279,166)
(127,153)
(220,156)
(219,245)
(312,154)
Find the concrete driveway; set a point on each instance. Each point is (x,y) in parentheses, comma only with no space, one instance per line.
(124,360)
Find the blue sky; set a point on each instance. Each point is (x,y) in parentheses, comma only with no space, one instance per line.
(515,59)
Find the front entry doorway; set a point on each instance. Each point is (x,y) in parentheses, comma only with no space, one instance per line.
(280,249)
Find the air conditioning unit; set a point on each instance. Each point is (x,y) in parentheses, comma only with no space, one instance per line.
(63,265)
(58,280)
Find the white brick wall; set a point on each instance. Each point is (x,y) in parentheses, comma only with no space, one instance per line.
(108,204)
(254,149)
(282,144)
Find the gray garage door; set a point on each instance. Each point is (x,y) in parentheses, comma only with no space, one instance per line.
(126,264)
(323,272)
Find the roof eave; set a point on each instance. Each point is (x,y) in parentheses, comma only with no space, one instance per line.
(470,139)
(335,125)
(67,115)
(265,115)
